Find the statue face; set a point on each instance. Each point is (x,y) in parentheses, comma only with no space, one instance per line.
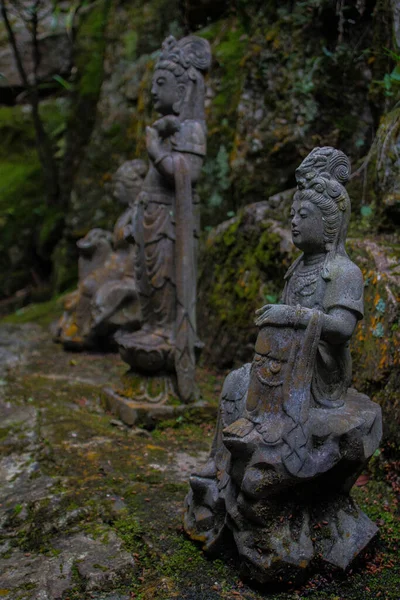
(165,91)
(307,226)
(126,192)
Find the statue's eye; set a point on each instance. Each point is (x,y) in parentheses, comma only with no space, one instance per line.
(160,81)
(303,215)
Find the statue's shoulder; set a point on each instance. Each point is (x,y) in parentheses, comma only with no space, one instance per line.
(345,286)
(343,269)
(191,138)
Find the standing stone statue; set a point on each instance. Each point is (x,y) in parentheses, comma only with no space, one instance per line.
(106,298)
(292,436)
(167,224)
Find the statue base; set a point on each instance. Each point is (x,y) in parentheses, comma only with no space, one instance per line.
(146,351)
(145,400)
(284,526)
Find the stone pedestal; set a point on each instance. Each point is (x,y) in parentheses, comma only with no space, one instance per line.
(145,400)
(283,525)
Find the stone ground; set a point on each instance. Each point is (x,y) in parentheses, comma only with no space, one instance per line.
(90,509)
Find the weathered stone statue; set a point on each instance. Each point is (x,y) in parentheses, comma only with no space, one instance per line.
(292,436)
(106,297)
(166,226)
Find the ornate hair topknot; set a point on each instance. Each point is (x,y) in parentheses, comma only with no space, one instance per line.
(325,162)
(183,55)
(326,171)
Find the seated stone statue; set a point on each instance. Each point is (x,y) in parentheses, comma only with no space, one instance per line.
(106,297)
(292,436)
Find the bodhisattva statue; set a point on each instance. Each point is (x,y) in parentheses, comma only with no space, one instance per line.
(292,436)
(167,223)
(106,298)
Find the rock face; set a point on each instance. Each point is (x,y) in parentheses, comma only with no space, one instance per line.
(241,262)
(376,184)
(282,75)
(292,437)
(55,50)
(376,361)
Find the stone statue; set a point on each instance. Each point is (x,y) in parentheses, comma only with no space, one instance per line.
(106,297)
(167,224)
(292,436)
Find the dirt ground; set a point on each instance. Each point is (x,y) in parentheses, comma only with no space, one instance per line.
(90,508)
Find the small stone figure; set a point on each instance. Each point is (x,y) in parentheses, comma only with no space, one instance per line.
(106,297)
(167,223)
(292,436)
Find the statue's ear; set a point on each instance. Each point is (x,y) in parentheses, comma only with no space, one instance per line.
(181,91)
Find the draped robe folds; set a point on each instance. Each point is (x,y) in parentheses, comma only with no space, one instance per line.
(343,288)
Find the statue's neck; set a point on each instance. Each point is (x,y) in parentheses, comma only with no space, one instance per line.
(313,259)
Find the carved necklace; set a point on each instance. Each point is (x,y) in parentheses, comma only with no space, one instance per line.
(304,280)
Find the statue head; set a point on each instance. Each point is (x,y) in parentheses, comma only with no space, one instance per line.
(128,180)
(96,240)
(178,80)
(322,205)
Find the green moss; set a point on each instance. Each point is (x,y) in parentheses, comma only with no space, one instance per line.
(153,21)
(90,48)
(42,313)
(186,559)
(238,263)
(27,224)
(129,530)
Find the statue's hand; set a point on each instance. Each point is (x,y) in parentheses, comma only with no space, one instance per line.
(152,143)
(275,314)
(167,126)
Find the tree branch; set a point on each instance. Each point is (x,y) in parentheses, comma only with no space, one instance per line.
(43,141)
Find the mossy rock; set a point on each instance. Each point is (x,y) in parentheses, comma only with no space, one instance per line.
(375,345)
(27,224)
(242,265)
(375,185)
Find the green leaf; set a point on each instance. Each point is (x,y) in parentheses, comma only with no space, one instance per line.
(395,74)
(215,201)
(65,84)
(366,211)
(327,52)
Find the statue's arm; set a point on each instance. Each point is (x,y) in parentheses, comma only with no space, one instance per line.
(166,165)
(343,307)
(190,145)
(337,326)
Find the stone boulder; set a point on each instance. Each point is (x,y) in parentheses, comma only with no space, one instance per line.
(376,343)
(376,183)
(241,268)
